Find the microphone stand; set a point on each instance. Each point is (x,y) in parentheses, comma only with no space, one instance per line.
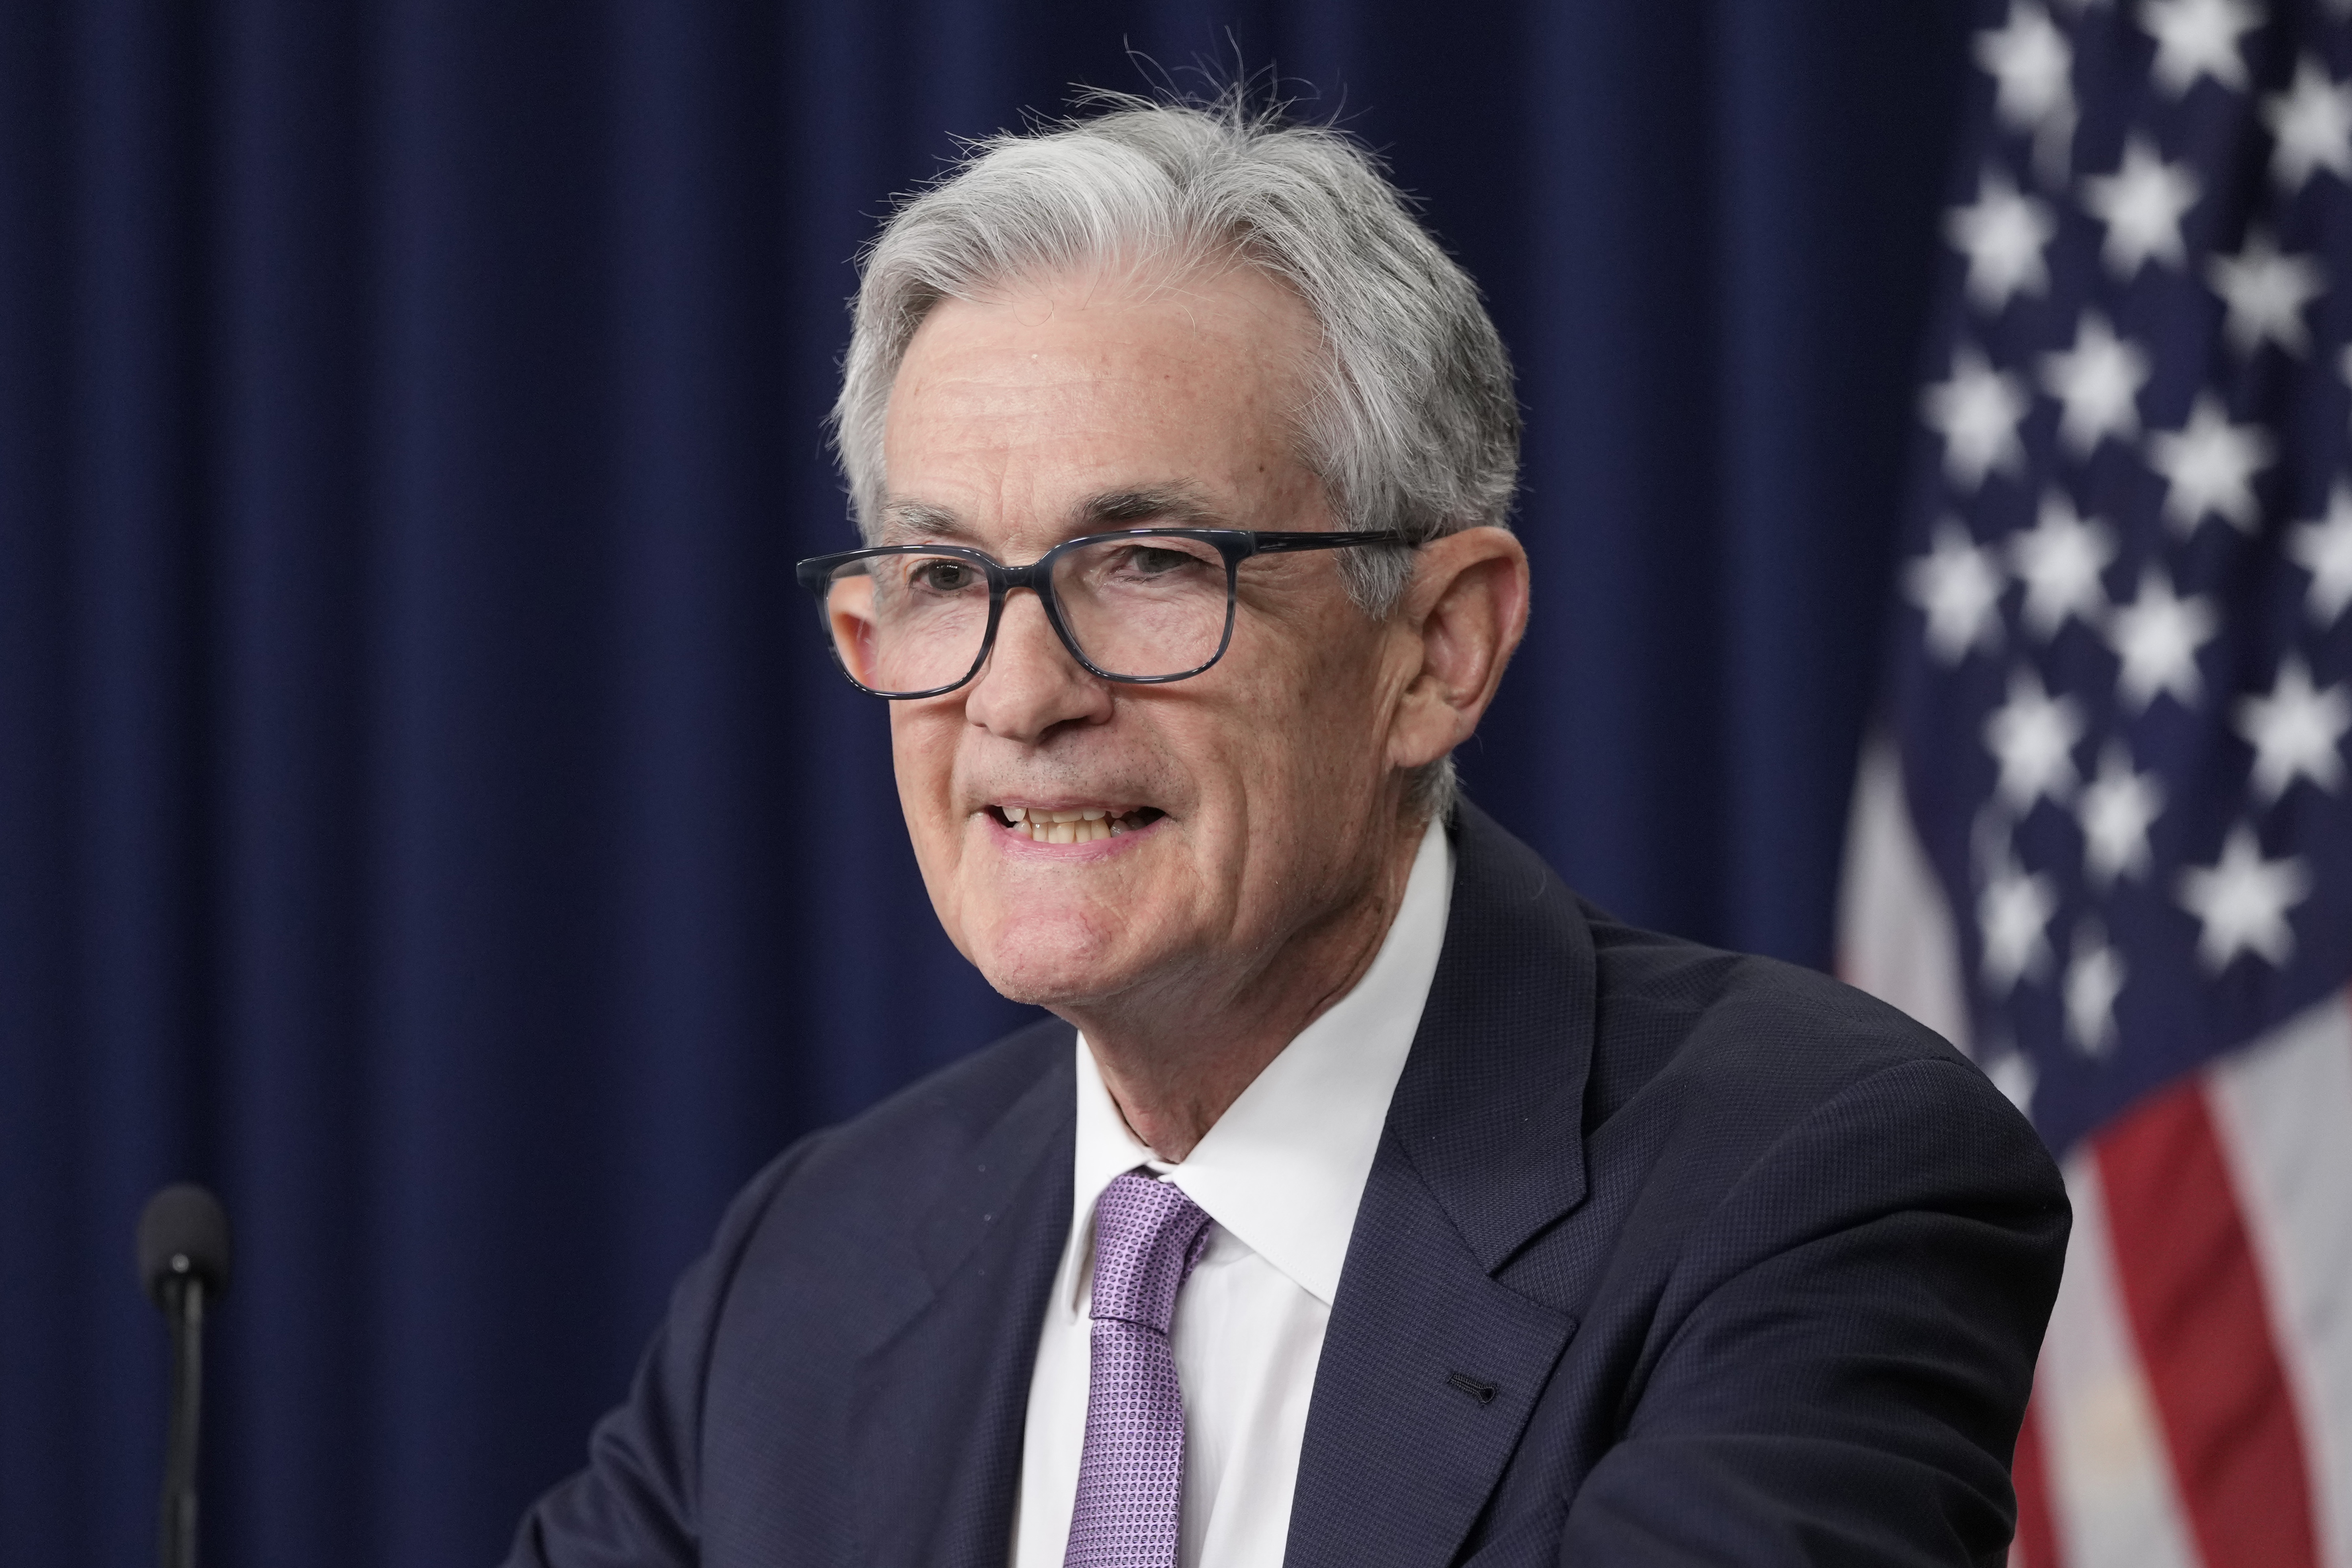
(184,1257)
(184,1306)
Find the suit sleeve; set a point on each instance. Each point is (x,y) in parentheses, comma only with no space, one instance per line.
(1840,1360)
(636,1504)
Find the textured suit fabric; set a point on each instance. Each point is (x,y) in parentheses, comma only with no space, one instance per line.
(1667,1256)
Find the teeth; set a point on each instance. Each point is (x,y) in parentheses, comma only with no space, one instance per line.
(1083,826)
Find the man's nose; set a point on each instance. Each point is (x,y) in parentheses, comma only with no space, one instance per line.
(1030,683)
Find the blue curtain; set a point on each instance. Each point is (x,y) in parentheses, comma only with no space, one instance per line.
(426,814)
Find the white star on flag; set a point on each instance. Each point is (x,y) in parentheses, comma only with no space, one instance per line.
(1958,585)
(2200,37)
(1977,413)
(2313,124)
(2097,381)
(2266,291)
(2032,63)
(2015,1075)
(2030,58)
(2012,912)
(2242,902)
(2116,808)
(2142,204)
(2295,732)
(2094,978)
(2002,236)
(2209,467)
(2060,559)
(2033,735)
(2323,547)
(2156,636)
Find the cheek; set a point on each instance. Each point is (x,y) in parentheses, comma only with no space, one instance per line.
(1328,710)
(922,755)
(1303,749)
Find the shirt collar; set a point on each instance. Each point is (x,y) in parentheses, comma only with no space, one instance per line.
(1284,1168)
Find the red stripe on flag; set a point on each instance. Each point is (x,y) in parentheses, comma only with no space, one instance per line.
(2037,1532)
(2194,1295)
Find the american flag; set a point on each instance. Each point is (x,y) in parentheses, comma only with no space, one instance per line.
(2104,841)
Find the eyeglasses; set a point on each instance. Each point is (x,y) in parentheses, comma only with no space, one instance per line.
(1145,607)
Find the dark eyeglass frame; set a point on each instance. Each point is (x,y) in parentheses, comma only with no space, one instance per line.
(1234,544)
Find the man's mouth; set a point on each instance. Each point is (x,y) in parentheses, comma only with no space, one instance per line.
(1076,824)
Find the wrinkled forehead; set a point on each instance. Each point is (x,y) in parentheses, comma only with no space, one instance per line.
(1081,402)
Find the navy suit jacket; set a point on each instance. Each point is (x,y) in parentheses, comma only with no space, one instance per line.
(1667,1256)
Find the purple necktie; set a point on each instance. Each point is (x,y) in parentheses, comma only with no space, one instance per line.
(1148,1235)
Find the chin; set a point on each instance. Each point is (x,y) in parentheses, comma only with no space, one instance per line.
(1043,985)
(1054,958)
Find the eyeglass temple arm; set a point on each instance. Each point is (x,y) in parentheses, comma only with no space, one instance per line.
(1283,544)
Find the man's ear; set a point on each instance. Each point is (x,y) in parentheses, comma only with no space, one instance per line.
(1462,617)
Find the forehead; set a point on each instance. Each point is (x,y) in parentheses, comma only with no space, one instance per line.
(1012,416)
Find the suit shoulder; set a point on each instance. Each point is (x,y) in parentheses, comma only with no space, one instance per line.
(1669,1011)
(1729,1094)
(856,1195)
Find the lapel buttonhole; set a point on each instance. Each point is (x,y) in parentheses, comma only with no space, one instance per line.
(1484,1393)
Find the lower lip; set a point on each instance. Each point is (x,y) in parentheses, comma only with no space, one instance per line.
(1092,850)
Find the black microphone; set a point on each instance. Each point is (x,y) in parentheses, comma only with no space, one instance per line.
(183,1258)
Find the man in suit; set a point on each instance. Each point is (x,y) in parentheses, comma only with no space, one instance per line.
(1371,1199)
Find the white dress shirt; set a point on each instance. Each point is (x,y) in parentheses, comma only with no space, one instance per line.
(1280,1174)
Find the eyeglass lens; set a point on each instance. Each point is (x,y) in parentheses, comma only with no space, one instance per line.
(1140,605)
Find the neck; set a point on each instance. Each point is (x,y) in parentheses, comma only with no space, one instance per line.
(1174,1063)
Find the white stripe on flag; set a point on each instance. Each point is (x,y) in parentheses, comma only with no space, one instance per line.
(2284,1108)
(1895,926)
(2111,1486)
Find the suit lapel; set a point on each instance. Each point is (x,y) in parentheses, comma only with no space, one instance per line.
(1430,1367)
(937,1429)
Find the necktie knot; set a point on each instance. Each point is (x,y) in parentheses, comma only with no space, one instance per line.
(1148,1235)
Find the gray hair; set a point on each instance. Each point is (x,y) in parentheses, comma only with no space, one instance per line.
(1411,420)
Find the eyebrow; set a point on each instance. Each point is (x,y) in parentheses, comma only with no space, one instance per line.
(912,522)
(1177,504)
